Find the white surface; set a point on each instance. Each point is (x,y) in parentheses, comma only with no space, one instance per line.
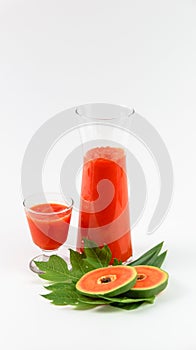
(57,54)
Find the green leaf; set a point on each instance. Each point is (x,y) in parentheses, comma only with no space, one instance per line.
(94,301)
(95,256)
(117,262)
(66,294)
(63,294)
(126,300)
(79,264)
(55,300)
(55,269)
(145,258)
(59,286)
(133,305)
(127,306)
(158,260)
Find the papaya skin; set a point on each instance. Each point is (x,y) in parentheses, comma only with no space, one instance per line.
(107,281)
(150,282)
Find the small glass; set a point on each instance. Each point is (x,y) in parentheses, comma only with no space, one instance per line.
(48,216)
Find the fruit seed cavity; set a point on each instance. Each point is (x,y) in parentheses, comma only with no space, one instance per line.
(106,279)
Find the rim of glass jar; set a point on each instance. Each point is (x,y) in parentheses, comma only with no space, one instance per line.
(66,201)
(80,113)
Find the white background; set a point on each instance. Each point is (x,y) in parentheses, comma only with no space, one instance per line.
(55,55)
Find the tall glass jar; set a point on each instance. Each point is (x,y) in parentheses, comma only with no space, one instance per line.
(104,215)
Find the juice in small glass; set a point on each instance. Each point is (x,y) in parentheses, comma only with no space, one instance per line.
(48,223)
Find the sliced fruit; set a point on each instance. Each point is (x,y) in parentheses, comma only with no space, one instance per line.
(107,281)
(151,280)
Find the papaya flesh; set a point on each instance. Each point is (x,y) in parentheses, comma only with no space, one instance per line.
(151,281)
(107,281)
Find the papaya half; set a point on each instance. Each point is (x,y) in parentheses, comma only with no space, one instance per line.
(151,281)
(107,281)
